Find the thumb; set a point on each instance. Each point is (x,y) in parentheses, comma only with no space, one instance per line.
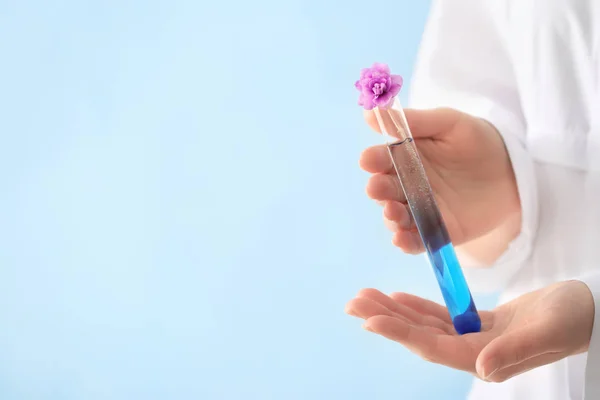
(516,347)
(422,123)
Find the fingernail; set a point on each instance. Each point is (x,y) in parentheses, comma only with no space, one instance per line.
(367,328)
(416,241)
(404,221)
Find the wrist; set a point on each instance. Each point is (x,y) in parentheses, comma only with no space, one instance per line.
(485,250)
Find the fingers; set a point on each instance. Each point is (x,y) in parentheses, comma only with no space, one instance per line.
(365,308)
(397,218)
(422,123)
(399,213)
(409,313)
(417,339)
(517,347)
(423,334)
(453,351)
(371,120)
(433,122)
(422,306)
(376,160)
(393,226)
(409,241)
(385,187)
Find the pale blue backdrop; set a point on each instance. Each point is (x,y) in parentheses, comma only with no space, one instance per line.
(182,213)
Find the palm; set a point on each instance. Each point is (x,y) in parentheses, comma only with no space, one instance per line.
(425,328)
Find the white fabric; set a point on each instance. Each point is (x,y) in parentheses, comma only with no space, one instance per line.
(532,69)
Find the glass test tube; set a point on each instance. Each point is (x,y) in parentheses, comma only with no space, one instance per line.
(428,219)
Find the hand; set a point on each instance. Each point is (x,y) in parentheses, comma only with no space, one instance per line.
(535,329)
(468,168)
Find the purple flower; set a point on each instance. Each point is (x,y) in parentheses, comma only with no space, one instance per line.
(377,86)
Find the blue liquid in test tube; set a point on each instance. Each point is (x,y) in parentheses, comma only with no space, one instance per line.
(428,220)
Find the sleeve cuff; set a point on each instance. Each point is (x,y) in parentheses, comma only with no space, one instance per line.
(497,276)
(592,369)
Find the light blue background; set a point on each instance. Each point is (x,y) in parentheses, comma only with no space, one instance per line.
(182,213)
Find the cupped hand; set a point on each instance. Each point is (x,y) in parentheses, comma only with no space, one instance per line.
(535,329)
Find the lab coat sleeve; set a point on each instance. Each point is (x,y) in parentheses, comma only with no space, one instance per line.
(463,64)
(592,370)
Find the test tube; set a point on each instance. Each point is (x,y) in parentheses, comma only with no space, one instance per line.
(427,218)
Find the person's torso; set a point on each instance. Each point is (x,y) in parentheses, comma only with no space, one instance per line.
(554,48)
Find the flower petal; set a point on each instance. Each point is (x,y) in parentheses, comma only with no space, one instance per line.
(366,73)
(367,102)
(373,81)
(394,90)
(360,100)
(397,80)
(377,86)
(381,68)
(384,100)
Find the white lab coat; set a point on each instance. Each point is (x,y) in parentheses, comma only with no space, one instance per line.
(531,68)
